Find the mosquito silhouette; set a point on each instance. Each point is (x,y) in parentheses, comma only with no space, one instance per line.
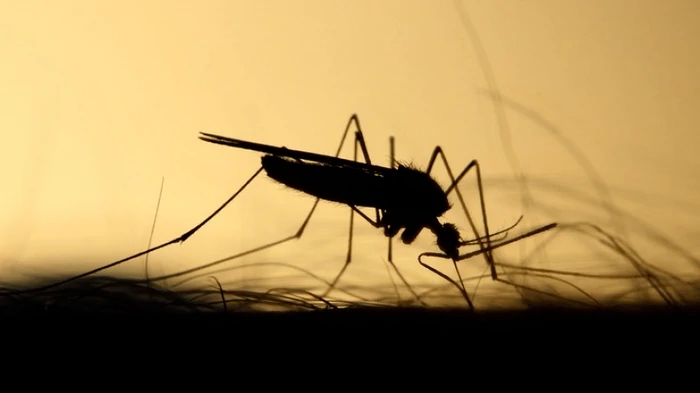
(403,197)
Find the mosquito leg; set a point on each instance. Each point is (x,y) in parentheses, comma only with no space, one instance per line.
(192,231)
(390,241)
(359,141)
(486,249)
(478,238)
(301,229)
(178,239)
(392,162)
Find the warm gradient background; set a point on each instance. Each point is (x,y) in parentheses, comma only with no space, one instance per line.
(100,100)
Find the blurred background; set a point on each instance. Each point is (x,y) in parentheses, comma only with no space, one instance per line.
(577,111)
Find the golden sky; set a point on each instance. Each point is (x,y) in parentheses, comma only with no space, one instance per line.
(101,100)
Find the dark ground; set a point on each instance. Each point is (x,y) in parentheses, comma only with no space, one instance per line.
(409,321)
(409,338)
(100,315)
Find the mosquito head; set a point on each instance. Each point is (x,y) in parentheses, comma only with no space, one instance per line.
(448,239)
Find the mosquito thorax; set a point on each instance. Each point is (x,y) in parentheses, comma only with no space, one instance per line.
(420,191)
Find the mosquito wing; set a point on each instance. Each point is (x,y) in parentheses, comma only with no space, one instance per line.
(289,153)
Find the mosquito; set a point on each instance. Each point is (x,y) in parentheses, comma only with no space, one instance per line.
(402,196)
